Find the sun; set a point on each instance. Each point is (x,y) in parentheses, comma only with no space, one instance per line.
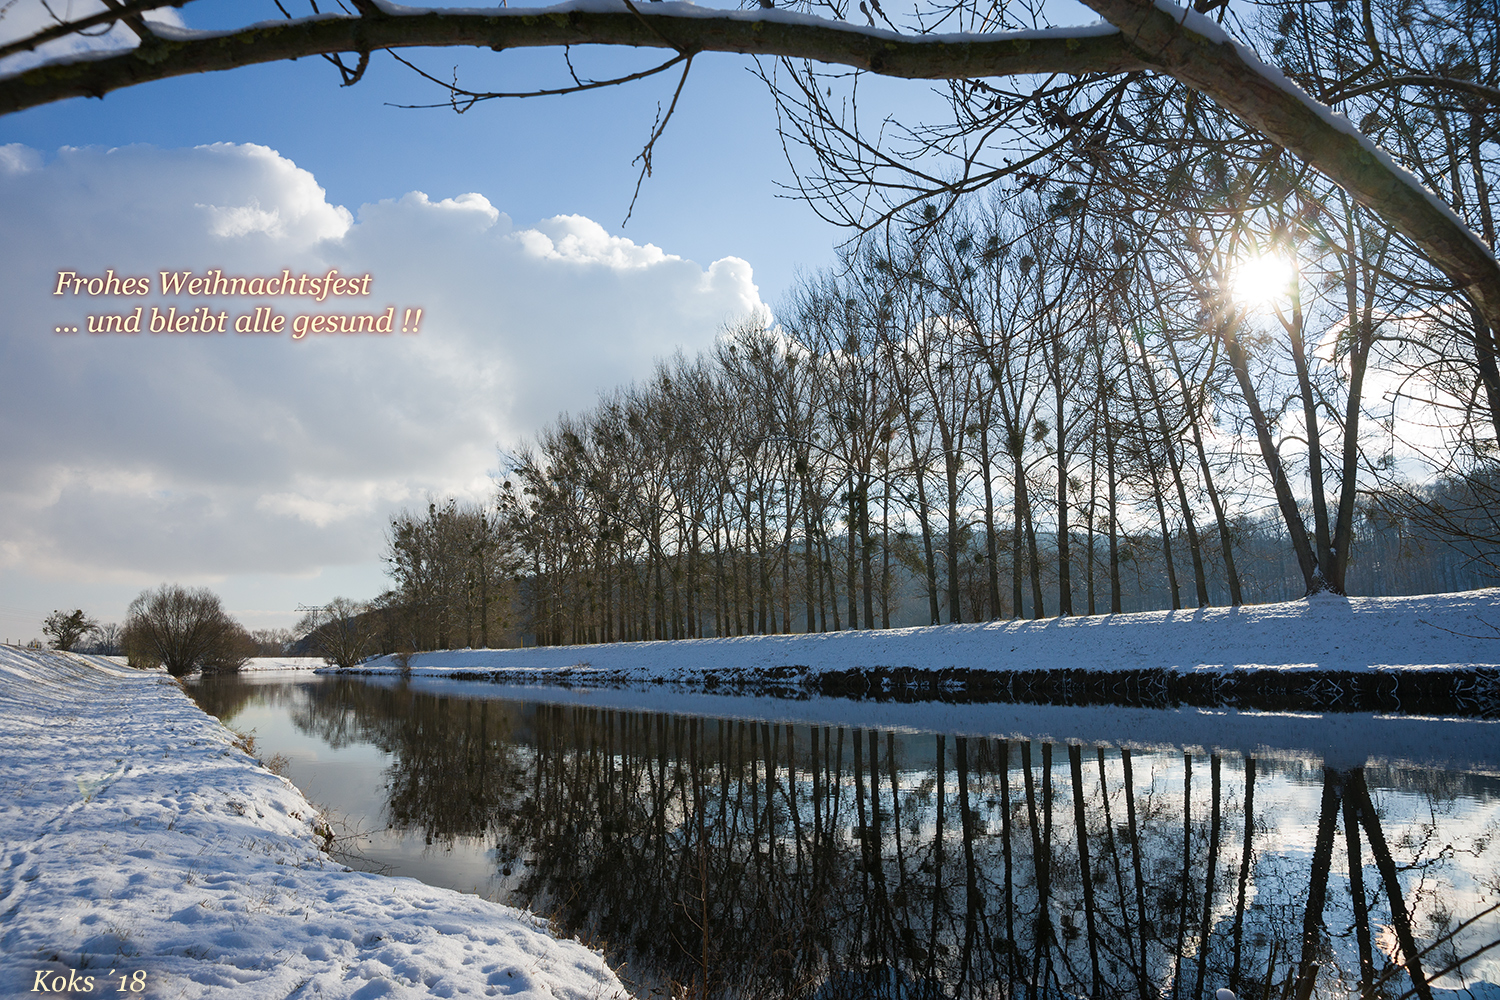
(1264,279)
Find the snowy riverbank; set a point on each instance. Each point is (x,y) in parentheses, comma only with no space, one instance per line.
(140,843)
(280,664)
(1394,653)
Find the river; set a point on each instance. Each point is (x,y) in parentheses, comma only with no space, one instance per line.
(827,848)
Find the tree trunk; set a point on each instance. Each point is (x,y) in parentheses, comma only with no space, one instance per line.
(1226,538)
(1169,446)
(1085,868)
(1064,553)
(1317,890)
(1411,957)
(1291,517)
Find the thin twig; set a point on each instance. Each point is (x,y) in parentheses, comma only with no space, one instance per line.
(1466,635)
(474,96)
(645,155)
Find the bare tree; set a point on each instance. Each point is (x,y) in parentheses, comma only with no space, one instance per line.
(184,630)
(341,631)
(104,639)
(65,628)
(453,568)
(273,641)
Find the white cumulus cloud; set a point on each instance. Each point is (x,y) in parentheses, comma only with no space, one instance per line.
(137,457)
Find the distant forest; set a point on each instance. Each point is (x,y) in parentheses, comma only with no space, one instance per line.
(446,604)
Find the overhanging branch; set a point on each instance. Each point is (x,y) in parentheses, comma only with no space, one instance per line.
(1186,47)
(1192,49)
(107,17)
(684,28)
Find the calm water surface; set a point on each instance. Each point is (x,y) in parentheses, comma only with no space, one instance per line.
(829,850)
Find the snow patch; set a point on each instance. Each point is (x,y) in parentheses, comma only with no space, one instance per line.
(1324,632)
(136,836)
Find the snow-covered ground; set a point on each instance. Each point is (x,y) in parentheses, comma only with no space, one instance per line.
(254,665)
(257,664)
(141,846)
(1357,635)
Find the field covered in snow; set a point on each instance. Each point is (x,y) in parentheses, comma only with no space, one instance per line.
(280,664)
(1327,633)
(143,848)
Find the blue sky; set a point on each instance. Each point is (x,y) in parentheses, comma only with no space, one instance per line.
(269,475)
(713,191)
(268,471)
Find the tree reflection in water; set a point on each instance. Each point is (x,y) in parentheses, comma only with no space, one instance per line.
(753,859)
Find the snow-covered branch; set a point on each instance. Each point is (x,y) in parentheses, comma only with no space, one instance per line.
(680,26)
(1149,35)
(1196,51)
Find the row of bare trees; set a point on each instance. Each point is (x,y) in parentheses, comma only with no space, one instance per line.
(455,568)
(1071,397)
(1009,408)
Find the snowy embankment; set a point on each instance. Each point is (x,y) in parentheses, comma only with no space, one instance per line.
(254,665)
(1323,633)
(1438,653)
(139,842)
(277,664)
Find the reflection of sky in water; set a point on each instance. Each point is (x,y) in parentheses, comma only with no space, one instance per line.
(1442,823)
(348,784)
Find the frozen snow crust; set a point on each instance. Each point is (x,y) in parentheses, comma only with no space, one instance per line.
(1439,652)
(137,837)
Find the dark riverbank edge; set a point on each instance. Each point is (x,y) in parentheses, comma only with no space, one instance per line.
(1431,654)
(1469,693)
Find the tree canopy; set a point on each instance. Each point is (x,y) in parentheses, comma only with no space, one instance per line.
(184,629)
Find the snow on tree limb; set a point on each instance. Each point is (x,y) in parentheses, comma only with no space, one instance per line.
(680,26)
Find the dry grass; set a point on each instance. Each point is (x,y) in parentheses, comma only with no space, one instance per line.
(278,763)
